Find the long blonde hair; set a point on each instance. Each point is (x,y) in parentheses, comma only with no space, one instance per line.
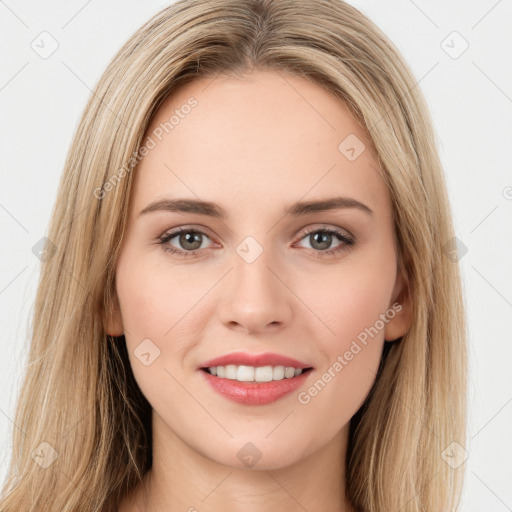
(83,435)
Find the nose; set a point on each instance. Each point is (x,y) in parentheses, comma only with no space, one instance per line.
(256,298)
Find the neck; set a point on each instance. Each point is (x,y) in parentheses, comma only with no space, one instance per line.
(181,479)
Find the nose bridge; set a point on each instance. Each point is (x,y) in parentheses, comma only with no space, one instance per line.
(252,265)
(256,297)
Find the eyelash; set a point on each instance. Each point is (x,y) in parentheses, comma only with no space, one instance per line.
(347,241)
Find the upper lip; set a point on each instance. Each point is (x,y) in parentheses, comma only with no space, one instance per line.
(265,359)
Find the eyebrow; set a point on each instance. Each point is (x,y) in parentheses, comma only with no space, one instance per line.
(214,210)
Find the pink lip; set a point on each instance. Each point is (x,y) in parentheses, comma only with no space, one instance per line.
(243,358)
(255,393)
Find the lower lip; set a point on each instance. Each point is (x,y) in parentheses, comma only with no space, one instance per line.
(255,393)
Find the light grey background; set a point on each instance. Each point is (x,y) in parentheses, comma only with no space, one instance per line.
(470,98)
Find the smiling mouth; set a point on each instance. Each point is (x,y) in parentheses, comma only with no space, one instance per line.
(252,374)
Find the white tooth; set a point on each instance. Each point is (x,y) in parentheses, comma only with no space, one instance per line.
(263,374)
(245,373)
(278,373)
(289,372)
(231,371)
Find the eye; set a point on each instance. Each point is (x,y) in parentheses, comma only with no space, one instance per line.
(320,239)
(190,239)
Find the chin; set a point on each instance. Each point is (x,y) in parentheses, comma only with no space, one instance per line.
(256,455)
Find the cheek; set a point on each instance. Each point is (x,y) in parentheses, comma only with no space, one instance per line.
(156,298)
(157,305)
(347,299)
(348,303)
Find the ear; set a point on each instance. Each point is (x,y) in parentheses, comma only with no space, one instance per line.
(113,322)
(397,326)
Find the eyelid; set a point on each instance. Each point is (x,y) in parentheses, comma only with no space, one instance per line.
(190,227)
(306,231)
(327,227)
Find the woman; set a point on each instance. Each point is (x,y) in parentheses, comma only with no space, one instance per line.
(307,351)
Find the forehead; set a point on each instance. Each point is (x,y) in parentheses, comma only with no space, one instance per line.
(264,136)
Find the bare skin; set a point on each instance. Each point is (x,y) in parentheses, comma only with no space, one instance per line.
(255,145)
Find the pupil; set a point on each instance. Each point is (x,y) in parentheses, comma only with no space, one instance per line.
(325,239)
(191,238)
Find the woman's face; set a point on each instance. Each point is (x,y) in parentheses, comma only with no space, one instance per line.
(256,271)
